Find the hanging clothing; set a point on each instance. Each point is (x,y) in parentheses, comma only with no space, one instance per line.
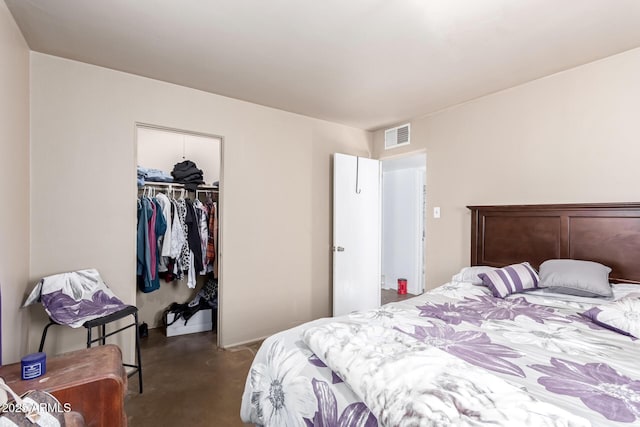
(165,204)
(192,281)
(215,239)
(175,238)
(142,239)
(201,214)
(153,241)
(184,258)
(151,224)
(177,232)
(193,235)
(160,228)
(211,246)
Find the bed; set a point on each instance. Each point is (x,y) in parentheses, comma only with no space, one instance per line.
(457,355)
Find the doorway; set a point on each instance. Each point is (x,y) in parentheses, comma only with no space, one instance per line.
(403,225)
(160,151)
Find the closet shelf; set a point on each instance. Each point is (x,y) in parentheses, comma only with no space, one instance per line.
(148,184)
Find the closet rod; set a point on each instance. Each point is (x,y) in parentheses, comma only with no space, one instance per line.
(178,185)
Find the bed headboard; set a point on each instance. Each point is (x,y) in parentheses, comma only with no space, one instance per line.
(608,233)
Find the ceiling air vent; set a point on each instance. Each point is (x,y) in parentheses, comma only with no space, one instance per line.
(397,136)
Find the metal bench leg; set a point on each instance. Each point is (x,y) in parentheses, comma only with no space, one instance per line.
(89,337)
(44,335)
(135,315)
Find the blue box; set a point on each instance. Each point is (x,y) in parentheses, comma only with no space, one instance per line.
(33,365)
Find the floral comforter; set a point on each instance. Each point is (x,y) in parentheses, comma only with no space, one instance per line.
(535,343)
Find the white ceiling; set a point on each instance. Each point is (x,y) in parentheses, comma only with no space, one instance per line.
(365,63)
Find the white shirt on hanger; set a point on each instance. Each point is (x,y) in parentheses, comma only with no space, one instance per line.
(165,203)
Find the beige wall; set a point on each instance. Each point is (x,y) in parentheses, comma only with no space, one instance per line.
(570,137)
(275,235)
(14,176)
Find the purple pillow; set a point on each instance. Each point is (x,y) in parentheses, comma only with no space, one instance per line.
(622,316)
(511,279)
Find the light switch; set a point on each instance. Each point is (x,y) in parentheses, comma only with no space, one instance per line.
(436,212)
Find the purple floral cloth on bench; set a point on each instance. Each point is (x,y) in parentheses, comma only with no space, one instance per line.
(75,298)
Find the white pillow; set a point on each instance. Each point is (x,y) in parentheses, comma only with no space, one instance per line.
(575,277)
(470,274)
(622,316)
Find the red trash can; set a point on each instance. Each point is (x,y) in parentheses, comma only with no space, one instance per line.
(402,286)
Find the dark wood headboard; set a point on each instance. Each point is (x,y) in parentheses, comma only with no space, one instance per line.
(608,233)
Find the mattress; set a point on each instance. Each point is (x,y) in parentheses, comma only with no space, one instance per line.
(534,346)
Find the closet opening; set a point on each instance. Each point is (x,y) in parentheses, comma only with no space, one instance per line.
(403,226)
(178,241)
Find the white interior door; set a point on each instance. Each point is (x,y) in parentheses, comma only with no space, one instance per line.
(356,234)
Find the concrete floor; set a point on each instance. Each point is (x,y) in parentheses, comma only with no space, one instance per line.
(391,295)
(188,382)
